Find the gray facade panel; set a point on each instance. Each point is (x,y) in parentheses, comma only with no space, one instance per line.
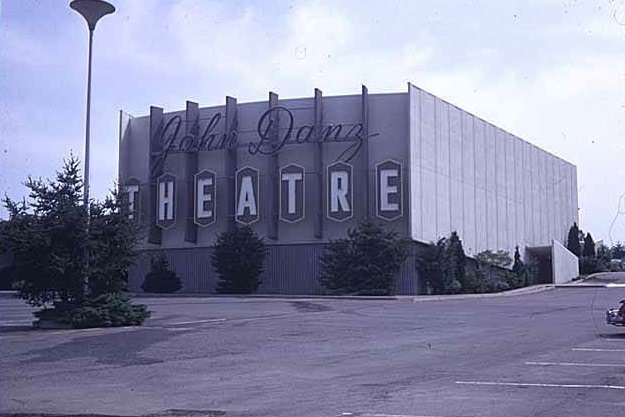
(289,269)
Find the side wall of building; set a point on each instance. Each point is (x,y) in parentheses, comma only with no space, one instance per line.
(495,189)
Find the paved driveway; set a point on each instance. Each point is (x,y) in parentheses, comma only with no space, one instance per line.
(544,354)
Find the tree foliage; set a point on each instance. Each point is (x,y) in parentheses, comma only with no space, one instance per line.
(618,251)
(454,263)
(47,238)
(491,273)
(56,251)
(572,242)
(113,239)
(366,262)
(443,266)
(589,246)
(429,266)
(160,278)
(239,258)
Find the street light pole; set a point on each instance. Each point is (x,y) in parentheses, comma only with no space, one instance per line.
(92,11)
(88,128)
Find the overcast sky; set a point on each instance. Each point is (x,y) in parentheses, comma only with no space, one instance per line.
(551,72)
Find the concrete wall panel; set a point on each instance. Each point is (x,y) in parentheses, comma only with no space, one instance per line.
(429,206)
(518,191)
(500,189)
(443,170)
(415,194)
(565,265)
(456,160)
(468,179)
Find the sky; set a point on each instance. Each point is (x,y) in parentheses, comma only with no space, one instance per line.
(551,72)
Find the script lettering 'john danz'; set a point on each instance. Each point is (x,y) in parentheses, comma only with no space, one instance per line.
(270,139)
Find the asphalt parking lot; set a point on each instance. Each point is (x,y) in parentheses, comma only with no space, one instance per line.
(543,354)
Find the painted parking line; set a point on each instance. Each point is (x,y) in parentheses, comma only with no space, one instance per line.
(540,385)
(388,415)
(196,322)
(600,365)
(597,350)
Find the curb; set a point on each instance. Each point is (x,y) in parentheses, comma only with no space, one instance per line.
(404,298)
(510,293)
(270,296)
(582,285)
(8,294)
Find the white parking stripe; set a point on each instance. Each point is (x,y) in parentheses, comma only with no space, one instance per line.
(610,365)
(385,415)
(196,322)
(538,385)
(597,350)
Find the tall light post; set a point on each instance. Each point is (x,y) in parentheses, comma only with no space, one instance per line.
(92,11)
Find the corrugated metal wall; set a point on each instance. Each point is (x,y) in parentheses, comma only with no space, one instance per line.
(290,269)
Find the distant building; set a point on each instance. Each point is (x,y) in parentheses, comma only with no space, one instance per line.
(303,171)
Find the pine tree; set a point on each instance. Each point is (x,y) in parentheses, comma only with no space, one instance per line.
(589,247)
(47,238)
(239,258)
(517,266)
(161,279)
(366,262)
(572,243)
(49,241)
(453,266)
(113,238)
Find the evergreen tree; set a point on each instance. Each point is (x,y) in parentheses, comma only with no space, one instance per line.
(517,266)
(589,246)
(47,238)
(161,279)
(113,239)
(239,258)
(618,251)
(366,262)
(572,243)
(604,258)
(49,242)
(453,265)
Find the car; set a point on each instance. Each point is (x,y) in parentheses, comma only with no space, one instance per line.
(612,317)
(616,316)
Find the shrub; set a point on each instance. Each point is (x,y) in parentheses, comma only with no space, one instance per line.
(443,266)
(161,279)
(365,263)
(108,310)
(239,258)
(429,267)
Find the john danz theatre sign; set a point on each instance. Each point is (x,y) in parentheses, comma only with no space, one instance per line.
(338,184)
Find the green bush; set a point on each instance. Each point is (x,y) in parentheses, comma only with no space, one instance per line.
(239,258)
(443,266)
(161,279)
(108,310)
(364,263)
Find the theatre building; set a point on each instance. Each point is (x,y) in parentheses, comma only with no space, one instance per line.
(303,171)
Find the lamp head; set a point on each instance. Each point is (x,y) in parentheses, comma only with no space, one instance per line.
(92,10)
